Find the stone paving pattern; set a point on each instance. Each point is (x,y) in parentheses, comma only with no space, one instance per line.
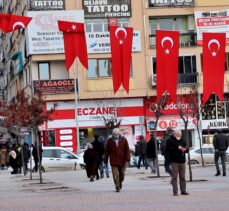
(142,191)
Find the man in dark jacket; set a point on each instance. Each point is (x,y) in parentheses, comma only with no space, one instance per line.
(220,143)
(167,163)
(99,148)
(176,147)
(117,149)
(141,151)
(151,154)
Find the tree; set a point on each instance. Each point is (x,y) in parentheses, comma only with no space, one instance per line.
(26,112)
(191,111)
(158,109)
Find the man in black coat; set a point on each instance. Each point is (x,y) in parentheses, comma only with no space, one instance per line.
(151,154)
(176,147)
(220,143)
(168,133)
(99,148)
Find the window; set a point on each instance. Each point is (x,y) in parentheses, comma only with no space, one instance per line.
(178,23)
(47,153)
(101,68)
(226,65)
(187,69)
(43,71)
(101,25)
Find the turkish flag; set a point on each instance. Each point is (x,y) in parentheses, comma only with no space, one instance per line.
(167,52)
(213,64)
(10,23)
(121,48)
(74,42)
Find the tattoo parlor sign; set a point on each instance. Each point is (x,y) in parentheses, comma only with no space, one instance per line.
(107,8)
(54,86)
(171,3)
(46,5)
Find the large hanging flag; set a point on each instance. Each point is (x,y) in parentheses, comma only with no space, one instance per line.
(213,64)
(167,52)
(74,42)
(10,23)
(121,48)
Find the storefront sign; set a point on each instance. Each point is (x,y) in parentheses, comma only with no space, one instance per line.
(93,112)
(43,33)
(99,42)
(54,86)
(214,124)
(212,21)
(46,5)
(107,8)
(170,108)
(171,3)
(174,122)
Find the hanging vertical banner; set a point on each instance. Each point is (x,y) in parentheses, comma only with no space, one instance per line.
(167,51)
(74,42)
(121,39)
(213,64)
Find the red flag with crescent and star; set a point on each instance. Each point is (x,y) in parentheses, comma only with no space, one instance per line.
(167,52)
(214,45)
(74,42)
(121,39)
(10,22)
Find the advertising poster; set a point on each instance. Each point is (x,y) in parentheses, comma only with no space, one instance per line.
(211,21)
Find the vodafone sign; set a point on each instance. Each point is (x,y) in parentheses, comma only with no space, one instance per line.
(170,108)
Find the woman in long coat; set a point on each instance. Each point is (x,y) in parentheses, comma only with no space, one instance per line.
(91,160)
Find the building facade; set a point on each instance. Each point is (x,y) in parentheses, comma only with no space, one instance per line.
(40,49)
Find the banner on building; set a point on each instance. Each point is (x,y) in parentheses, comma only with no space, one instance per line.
(212,21)
(107,8)
(54,86)
(171,3)
(43,34)
(46,5)
(99,42)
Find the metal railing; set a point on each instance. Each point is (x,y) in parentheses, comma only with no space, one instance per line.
(186,79)
(186,40)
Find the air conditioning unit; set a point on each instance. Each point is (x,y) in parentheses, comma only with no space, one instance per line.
(154,80)
(191,23)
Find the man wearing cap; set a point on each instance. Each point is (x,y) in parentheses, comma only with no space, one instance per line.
(117,149)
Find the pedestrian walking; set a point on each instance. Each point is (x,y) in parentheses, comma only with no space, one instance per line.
(99,148)
(151,154)
(220,142)
(142,151)
(176,147)
(26,156)
(167,163)
(91,160)
(117,149)
(35,152)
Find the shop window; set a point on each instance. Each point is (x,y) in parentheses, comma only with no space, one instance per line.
(43,71)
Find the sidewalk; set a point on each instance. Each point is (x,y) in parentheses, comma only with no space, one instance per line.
(141,191)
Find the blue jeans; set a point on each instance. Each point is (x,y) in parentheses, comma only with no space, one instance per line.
(141,159)
(222,156)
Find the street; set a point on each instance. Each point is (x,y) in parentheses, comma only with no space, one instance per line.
(142,191)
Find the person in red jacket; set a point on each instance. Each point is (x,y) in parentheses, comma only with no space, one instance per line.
(117,149)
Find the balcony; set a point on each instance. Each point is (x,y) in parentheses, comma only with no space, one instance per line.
(184,79)
(187,79)
(186,40)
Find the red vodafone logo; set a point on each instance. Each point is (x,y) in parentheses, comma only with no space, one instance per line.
(173,123)
(163,124)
